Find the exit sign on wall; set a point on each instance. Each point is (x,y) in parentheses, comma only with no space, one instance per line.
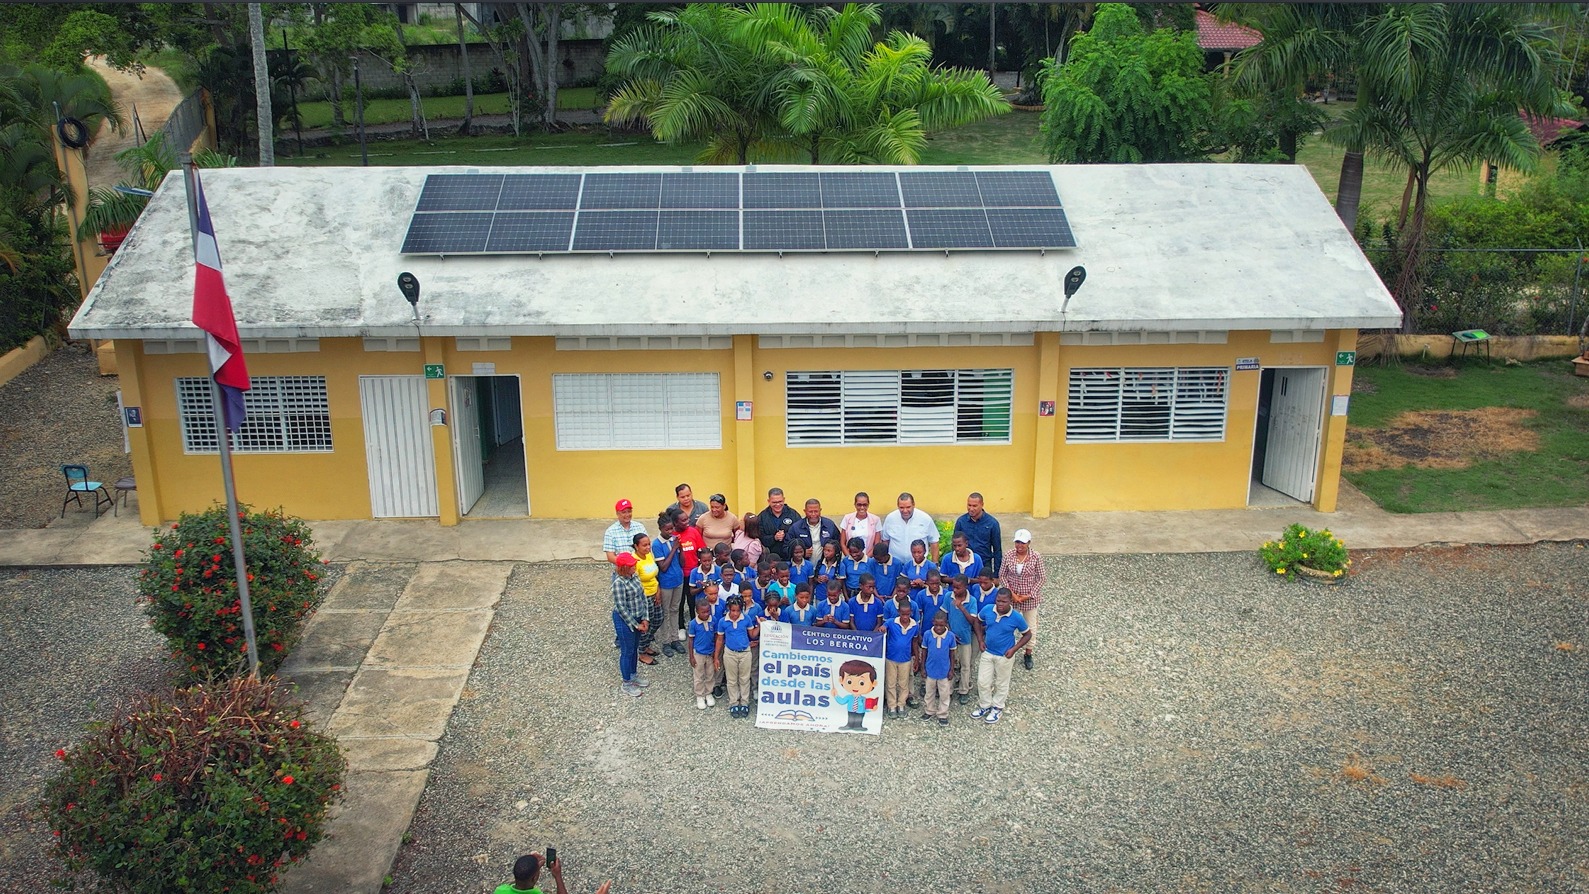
(1345,358)
(435,371)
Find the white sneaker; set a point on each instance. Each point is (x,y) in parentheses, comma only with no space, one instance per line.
(700,703)
(629,688)
(711,702)
(643,684)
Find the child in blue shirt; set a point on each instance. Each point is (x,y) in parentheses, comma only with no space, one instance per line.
(826,573)
(885,569)
(703,572)
(866,609)
(834,610)
(963,611)
(931,598)
(935,659)
(982,588)
(899,652)
(735,634)
(800,565)
(854,565)
(783,582)
(919,566)
(804,611)
(702,634)
(952,563)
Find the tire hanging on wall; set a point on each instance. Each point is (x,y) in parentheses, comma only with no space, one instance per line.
(73,132)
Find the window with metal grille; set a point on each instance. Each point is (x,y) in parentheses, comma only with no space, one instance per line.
(285,414)
(916,406)
(637,411)
(1147,404)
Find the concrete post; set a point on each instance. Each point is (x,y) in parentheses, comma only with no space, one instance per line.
(1333,446)
(435,349)
(745,432)
(1043,449)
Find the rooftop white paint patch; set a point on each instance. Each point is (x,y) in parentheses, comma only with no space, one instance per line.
(313,253)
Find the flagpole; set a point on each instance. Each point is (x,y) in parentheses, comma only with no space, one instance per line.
(223,438)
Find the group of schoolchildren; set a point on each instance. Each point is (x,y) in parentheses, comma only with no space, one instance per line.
(937,617)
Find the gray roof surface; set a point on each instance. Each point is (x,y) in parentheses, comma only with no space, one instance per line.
(313,252)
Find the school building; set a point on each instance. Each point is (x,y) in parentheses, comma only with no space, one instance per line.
(585,334)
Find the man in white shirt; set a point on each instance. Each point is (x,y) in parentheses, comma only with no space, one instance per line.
(906,525)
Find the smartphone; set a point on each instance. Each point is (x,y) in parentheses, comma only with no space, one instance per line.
(551,856)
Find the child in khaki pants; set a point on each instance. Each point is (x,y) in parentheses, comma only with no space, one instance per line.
(899,651)
(935,659)
(736,633)
(703,643)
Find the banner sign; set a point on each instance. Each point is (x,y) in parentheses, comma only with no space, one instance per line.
(820,679)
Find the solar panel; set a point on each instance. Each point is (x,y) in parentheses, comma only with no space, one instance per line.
(949,228)
(539,192)
(1030,228)
(865,230)
(939,189)
(616,231)
(784,231)
(1017,189)
(530,231)
(460,192)
(633,191)
(447,233)
(859,189)
(851,210)
(700,191)
(698,231)
(782,191)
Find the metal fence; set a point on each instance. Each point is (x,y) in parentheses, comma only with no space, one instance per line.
(186,122)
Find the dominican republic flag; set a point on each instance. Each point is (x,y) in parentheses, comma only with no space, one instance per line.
(212,312)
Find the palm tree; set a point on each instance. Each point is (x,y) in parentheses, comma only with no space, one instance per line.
(265,120)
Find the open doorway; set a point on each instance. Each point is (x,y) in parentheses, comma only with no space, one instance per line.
(1287,437)
(488,447)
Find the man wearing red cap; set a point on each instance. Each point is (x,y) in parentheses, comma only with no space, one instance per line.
(630,608)
(619,538)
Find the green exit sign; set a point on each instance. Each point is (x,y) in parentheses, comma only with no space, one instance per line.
(435,371)
(1342,358)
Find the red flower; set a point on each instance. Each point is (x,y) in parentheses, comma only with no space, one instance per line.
(295,724)
(302,835)
(201,647)
(276,646)
(286,780)
(178,554)
(156,546)
(60,753)
(156,777)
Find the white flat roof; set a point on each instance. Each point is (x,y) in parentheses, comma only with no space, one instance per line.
(314,253)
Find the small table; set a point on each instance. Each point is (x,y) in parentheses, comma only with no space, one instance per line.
(1468,338)
(123,487)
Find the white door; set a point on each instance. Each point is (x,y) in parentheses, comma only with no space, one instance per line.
(397,446)
(466,443)
(1296,416)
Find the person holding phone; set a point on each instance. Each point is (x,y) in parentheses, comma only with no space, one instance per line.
(527,872)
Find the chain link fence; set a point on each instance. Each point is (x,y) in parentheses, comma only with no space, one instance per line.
(1504,291)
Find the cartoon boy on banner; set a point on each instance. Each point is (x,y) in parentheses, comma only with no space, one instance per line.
(819,679)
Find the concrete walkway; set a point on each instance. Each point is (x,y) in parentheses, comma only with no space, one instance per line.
(80,539)
(383,663)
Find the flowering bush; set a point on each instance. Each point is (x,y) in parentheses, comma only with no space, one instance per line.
(218,788)
(1300,546)
(188,585)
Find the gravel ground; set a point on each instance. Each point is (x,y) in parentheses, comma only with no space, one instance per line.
(61,410)
(73,646)
(1194,724)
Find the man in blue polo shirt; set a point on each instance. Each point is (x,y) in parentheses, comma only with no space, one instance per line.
(982,533)
(997,630)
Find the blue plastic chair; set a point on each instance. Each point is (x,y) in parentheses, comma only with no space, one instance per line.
(77,484)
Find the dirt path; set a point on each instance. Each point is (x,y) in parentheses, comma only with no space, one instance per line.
(152,96)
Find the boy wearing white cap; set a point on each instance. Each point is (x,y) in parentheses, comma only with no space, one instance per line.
(1023,573)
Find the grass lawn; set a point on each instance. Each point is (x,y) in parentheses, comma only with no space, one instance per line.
(1382,186)
(1502,437)
(593,146)
(390,111)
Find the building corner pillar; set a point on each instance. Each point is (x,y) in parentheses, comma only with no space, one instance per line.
(1043,441)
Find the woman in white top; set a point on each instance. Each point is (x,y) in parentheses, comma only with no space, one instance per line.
(862,523)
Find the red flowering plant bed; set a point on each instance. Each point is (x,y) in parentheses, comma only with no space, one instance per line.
(220,787)
(188,586)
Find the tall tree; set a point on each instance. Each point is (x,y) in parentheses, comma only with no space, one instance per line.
(1127,96)
(265,121)
(468,75)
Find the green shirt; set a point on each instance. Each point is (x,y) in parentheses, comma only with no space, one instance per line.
(509,889)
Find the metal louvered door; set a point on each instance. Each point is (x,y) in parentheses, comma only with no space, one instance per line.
(397,448)
(1296,416)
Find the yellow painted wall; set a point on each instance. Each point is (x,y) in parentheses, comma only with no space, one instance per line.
(753,456)
(938,476)
(1192,475)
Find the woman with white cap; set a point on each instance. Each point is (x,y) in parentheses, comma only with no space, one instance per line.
(1023,572)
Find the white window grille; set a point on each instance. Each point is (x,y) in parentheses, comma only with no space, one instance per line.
(921,406)
(637,411)
(285,414)
(1147,404)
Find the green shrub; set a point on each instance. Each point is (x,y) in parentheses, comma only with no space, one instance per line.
(1300,546)
(188,584)
(219,788)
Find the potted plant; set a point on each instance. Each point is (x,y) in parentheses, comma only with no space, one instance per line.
(113,210)
(1303,552)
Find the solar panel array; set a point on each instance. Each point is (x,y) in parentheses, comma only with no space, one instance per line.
(701,211)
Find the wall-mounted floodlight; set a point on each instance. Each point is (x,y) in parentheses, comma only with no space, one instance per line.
(409,284)
(1073,281)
